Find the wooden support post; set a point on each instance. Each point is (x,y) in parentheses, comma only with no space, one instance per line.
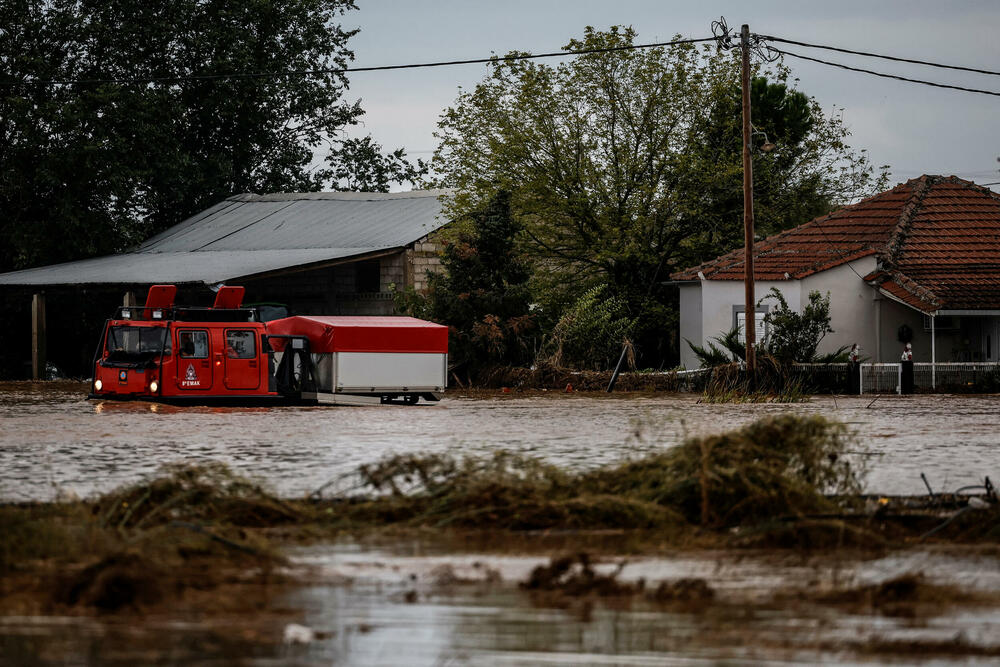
(38,344)
(750,312)
(130,300)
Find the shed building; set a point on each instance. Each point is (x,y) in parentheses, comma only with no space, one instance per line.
(339,253)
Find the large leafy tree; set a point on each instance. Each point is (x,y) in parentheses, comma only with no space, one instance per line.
(624,165)
(482,294)
(94,166)
(808,170)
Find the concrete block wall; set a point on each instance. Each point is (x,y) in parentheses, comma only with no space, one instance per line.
(392,272)
(422,258)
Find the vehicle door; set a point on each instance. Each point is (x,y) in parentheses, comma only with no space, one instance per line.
(194,366)
(242,370)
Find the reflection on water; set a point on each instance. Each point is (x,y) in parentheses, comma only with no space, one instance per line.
(413,603)
(463,609)
(434,603)
(52,438)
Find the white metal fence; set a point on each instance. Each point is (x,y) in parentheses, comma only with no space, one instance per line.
(884,378)
(887,378)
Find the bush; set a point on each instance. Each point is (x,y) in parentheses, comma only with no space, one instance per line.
(591,332)
(796,336)
(792,337)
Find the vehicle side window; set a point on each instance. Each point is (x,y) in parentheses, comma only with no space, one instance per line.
(241,344)
(194,344)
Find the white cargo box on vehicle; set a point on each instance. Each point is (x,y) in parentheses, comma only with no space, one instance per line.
(372,355)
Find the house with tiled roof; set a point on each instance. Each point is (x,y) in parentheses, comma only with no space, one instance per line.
(921,260)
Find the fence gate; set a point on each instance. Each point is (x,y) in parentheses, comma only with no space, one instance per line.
(884,378)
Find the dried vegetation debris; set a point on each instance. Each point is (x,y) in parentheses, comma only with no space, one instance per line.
(141,545)
(207,492)
(783,481)
(504,491)
(575,576)
(777,467)
(121,580)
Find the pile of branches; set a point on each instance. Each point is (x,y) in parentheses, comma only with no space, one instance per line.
(780,466)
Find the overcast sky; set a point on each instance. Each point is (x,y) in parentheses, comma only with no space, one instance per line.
(915,129)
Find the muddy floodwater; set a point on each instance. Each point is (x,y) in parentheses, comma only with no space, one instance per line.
(52,439)
(424,602)
(443,599)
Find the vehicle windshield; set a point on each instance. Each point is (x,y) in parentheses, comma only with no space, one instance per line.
(127,340)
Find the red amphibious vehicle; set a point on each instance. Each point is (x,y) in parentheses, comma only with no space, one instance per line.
(225,354)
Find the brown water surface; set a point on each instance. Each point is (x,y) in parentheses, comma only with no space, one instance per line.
(440,601)
(52,439)
(431,602)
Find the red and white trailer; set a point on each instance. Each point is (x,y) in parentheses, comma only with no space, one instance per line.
(391,357)
(164,352)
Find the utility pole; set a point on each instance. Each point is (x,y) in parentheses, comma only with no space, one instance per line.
(750,308)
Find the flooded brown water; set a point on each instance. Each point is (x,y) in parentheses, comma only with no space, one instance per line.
(439,601)
(431,602)
(53,439)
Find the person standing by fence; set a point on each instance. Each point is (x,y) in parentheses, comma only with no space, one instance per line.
(906,370)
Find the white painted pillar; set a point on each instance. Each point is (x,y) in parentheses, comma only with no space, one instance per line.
(933,355)
(878,327)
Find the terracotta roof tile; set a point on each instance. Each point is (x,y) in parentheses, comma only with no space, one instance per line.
(937,240)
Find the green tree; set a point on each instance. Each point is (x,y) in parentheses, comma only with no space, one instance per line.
(591,332)
(93,167)
(615,164)
(807,172)
(482,294)
(795,337)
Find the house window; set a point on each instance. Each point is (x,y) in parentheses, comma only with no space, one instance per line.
(367,276)
(760,326)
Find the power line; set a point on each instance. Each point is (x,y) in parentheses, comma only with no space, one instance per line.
(877,55)
(886,76)
(344,70)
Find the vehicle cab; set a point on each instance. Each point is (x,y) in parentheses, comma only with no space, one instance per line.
(161,351)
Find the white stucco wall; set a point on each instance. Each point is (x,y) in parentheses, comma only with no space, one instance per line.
(707,308)
(852,306)
(719,297)
(690,322)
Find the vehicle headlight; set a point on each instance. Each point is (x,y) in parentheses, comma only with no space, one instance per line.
(153,386)
(98,385)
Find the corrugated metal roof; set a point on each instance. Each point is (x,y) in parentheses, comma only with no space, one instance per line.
(251,234)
